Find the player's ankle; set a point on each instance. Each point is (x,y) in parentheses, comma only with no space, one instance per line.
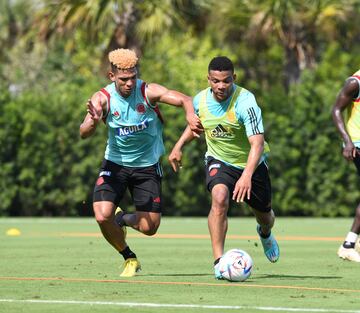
(348,245)
(127,254)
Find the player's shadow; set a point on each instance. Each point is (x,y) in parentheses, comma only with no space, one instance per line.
(279,276)
(178,275)
(266,276)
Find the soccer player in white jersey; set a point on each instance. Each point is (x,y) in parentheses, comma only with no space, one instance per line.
(129,108)
(236,156)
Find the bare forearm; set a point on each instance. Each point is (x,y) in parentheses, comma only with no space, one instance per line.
(255,154)
(188,106)
(242,188)
(87,128)
(185,138)
(178,99)
(176,154)
(95,111)
(340,125)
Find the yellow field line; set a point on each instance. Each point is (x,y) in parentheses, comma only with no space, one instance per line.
(177,283)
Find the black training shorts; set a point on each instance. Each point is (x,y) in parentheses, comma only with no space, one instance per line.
(144,184)
(357,160)
(218,172)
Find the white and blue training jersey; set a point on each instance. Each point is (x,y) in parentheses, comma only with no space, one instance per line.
(134,128)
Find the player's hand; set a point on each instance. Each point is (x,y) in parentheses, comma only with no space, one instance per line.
(95,109)
(195,124)
(175,159)
(349,151)
(242,189)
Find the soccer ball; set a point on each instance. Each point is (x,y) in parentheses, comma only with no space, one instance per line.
(236,265)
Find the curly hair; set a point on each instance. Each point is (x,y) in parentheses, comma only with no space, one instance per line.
(221,63)
(123,58)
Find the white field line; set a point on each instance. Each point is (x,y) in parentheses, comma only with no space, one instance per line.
(187,306)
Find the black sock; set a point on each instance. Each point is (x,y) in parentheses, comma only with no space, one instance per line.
(120,220)
(127,253)
(349,245)
(262,235)
(216,261)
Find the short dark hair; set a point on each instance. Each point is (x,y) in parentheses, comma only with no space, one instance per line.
(221,63)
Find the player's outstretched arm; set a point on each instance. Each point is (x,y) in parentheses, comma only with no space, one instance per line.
(243,185)
(96,107)
(176,153)
(349,92)
(158,93)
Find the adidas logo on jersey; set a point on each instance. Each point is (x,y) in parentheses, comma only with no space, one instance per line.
(220,131)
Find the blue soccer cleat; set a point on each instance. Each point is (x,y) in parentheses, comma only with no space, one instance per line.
(217,272)
(270,245)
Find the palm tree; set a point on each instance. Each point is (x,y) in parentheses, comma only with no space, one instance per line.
(118,23)
(300,26)
(14,23)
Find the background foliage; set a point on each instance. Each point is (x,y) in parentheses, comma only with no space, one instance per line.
(293,55)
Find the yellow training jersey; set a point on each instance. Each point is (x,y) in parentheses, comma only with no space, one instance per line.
(228,125)
(352,115)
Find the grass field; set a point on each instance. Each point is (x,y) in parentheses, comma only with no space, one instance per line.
(64,265)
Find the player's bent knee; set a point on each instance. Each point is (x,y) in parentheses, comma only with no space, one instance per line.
(100,219)
(221,199)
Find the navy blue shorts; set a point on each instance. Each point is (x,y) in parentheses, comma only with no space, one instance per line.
(218,172)
(144,184)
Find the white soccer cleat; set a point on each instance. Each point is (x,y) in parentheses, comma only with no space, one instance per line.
(348,254)
(357,245)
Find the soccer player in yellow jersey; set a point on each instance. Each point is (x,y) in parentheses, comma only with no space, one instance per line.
(346,116)
(236,165)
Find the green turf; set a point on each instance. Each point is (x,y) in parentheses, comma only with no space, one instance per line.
(175,270)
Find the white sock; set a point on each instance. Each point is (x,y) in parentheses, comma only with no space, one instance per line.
(351,237)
